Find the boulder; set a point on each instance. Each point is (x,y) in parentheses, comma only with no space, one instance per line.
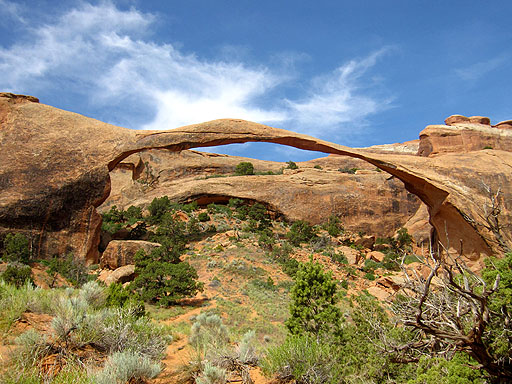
(376,256)
(121,252)
(365,241)
(122,274)
(353,255)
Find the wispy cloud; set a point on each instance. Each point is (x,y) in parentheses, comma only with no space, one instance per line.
(339,97)
(105,54)
(478,70)
(11,10)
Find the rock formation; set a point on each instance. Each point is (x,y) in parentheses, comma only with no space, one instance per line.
(55,172)
(464,134)
(368,201)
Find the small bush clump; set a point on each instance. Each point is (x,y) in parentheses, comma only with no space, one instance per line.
(244,168)
(17,274)
(16,248)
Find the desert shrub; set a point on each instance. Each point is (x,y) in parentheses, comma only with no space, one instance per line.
(209,336)
(291,165)
(93,294)
(391,261)
(403,238)
(244,168)
(459,370)
(246,349)
(16,248)
(350,171)
(193,228)
(124,367)
(266,239)
(235,202)
(300,232)
(211,374)
(333,226)
(304,359)
(203,217)
(118,296)
(33,345)
(162,278)
(132,214)
(13,302)
(369,276)
(122,329)
(337,257)
(157,208)
(281,254)
(370,265)
(313,308)
(71,268)
(317,167)
(17,274)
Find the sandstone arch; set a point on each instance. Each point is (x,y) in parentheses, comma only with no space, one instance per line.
(51,184)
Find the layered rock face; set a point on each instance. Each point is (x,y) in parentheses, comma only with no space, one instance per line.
(368,201)
(55,172)
(465,134)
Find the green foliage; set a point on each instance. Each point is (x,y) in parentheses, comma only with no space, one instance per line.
(211,374)
(317,167)
(159,207)
(333,226)
(313,308)
(162,278)
(127,367)
(459,370)
(306,360)
(350,171)
(17,274)
(71,268)
(300,232)
(291,165)
(16,248)
(281,254)
(487,147)
(118,296)
(403,238)
(498,336)
(244,168)
(203,217)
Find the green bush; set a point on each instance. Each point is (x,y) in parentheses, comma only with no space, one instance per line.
(306,360)
(162,278)
(333,226)
(300,232)
(244,168)
(317,167)
(71,268)
(459,370)
(118,296)
(313,308)
(17,274)
(157,208)
(127,367)
(350,171)
(203,217)
(16,248)
(291,165)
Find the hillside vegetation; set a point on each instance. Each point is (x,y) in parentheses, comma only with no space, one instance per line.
(232,295)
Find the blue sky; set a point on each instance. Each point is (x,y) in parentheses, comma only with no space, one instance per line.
(357,73)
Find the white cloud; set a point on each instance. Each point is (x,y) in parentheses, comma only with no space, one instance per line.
(336,99)
(104,54)
(477,70)
(11,10)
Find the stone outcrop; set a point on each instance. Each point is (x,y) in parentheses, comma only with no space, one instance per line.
(121,252)
(55,172)
(464,134)
(371,202)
